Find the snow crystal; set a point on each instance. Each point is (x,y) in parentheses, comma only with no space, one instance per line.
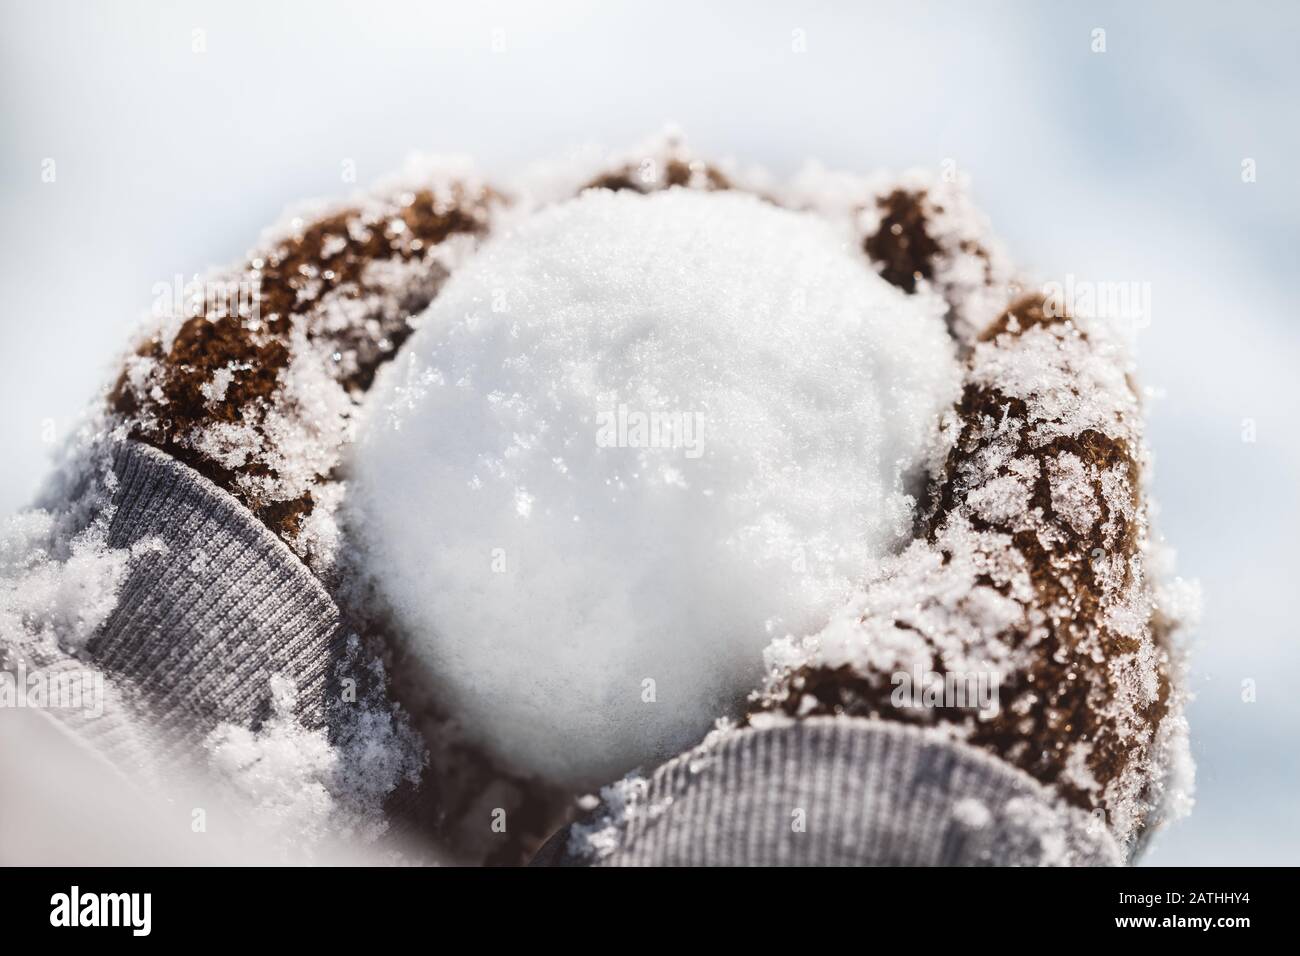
(1044,826)
(59,579)
(281,770)
(971,813)
(968,266)
(215,391)
(658,162)
(303,786)
(740,408)
(263,391)
(601,833)
(1049,592)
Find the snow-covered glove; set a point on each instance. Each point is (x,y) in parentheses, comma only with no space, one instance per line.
(210,490)
(181,558)
(1008,689)
(1029,588)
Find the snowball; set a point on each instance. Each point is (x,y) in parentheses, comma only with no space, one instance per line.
(631,442)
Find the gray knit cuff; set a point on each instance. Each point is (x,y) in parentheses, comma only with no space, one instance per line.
(833,791)
(210,613)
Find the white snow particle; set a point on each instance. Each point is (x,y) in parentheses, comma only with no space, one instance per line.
(971,813)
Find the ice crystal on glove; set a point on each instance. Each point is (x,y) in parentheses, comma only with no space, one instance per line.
(923,233)
(632,441)
(1032,572)
(252,378)
(662,161)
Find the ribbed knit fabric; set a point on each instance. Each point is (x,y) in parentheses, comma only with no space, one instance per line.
(207,617)
(833,791)
(203,623)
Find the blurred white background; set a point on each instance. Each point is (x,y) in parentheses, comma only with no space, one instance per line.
(1115,166)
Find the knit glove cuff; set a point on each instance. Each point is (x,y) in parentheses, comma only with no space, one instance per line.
(832,791)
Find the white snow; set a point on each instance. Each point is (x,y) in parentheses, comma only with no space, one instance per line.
(972,813)
(59,579)
(302,789)
(281,770)
(633,440)
(602,833)
(282,449)
(965,598)
(972,270)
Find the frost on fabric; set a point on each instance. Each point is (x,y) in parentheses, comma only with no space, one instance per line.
(304,786)
(923,233)
(282,771)
(1032,566)
(253,379)
(59,579)
(645,434)
(659,162)
(971,813)
(52,589)
(1044,825)
(601,832)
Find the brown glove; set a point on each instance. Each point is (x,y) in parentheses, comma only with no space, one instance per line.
(1029,577)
